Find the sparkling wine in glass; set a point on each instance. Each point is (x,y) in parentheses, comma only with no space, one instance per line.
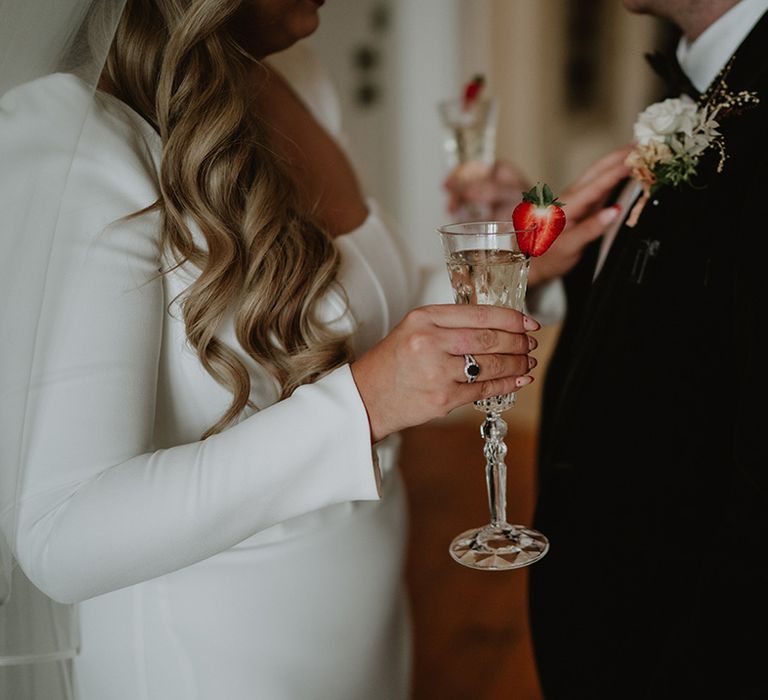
(469,137)
(486,267)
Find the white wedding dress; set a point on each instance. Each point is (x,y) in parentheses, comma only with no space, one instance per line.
(264,563)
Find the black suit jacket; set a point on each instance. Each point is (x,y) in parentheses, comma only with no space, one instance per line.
(654,442)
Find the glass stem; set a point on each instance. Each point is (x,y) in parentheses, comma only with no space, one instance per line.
(493,430)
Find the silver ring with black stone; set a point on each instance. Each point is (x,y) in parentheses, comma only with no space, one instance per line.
(471,368)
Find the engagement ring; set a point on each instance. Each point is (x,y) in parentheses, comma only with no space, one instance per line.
(471,368)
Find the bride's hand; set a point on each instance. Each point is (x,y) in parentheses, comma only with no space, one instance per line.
(416,373)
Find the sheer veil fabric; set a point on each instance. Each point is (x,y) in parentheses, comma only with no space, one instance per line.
(37,38)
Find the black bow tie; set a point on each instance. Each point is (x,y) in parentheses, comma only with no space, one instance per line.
(669,70)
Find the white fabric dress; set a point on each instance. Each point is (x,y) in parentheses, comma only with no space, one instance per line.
(261,564)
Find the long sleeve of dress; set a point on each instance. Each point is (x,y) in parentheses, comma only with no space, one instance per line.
(100,507)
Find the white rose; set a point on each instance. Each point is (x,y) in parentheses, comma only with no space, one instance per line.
(663,119)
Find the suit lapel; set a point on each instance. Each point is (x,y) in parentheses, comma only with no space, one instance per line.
(751,58)
(664,228)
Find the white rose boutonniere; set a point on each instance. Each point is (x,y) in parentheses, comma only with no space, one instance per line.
(667,118)
(671,137)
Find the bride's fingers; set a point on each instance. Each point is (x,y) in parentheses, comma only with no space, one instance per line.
(460,341)
(492,367)
(416,372)
(467,393)
(474,316)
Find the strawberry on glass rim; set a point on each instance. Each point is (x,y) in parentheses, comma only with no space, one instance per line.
(472,90)
(539,220)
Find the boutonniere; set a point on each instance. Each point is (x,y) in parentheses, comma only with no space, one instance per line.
(671,137)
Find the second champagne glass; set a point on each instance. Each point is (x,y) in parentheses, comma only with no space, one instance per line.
(486,267)
(470,139)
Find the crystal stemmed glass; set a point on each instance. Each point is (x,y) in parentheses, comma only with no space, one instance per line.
(470,138)
(486,267)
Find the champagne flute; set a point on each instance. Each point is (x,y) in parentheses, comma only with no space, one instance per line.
(486,267)
(470,138)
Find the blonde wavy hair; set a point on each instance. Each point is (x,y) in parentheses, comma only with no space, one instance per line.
(177,64)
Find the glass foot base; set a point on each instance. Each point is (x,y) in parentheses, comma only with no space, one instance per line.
(499,548)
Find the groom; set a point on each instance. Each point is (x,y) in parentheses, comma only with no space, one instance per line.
(654,466)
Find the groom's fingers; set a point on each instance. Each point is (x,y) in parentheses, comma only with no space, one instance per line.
(579,203)
(593,226)
(607,162)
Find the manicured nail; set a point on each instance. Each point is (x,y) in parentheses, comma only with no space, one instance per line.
(530,324)
(523,381)
(608,215)
(532,343)
(532,362)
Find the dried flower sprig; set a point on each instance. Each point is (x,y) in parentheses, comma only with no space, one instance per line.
(671,137)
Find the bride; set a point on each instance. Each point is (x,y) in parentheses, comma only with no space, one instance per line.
(209,345)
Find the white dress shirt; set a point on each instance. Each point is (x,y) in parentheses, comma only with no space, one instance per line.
(703,58)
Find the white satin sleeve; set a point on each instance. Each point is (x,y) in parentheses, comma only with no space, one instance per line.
(100,507)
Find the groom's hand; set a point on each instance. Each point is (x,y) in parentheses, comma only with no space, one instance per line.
(497,189)
(587,217)
(501,186)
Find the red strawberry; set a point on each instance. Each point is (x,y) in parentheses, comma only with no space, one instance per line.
(541,219)
(472,90)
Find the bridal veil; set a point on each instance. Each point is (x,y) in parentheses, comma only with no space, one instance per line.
(37,38)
